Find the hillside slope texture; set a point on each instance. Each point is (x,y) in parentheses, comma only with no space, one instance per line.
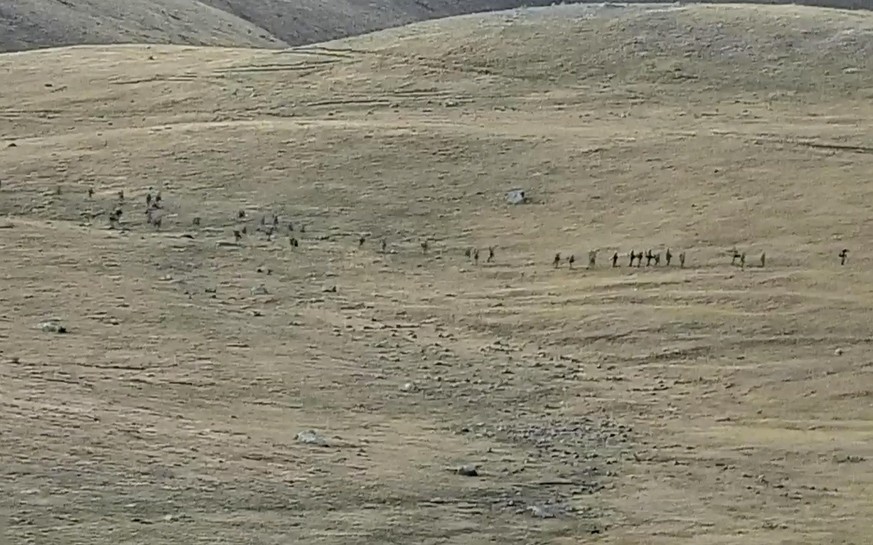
(335,330)
(29,24)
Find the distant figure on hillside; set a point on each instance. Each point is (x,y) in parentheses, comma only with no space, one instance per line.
(763,259)
(592,258)
(681,260)
(424,246)
(735,255)
(571,260)
(361,241)
(384,245)
(557,261)
(490,254)
(476,256)
(615,260)
(631,256)
(843,255)
(668,257)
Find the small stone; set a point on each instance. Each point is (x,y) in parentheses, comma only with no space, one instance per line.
(468,470)
(53,326)
(838,352)
(311,437)
(541,512)
(259,290)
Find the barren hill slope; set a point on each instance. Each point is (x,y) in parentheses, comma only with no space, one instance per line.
(303,22)
(28,24)
(652,404)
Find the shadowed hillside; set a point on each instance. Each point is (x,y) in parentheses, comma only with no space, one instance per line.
(28,24)
(307,349)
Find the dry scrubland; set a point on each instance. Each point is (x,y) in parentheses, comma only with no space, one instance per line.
(27,24)
(659,406)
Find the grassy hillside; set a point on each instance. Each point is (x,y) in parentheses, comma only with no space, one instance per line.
(29,24)
(662,405)
(309,21)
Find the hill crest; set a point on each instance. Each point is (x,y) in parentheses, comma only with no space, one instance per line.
(31,24)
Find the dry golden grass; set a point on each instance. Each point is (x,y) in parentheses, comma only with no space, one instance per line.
(654,405)
(29,24)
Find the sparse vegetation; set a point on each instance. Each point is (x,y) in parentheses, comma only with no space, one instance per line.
(235,390)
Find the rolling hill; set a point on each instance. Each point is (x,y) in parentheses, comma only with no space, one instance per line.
(241,389)
(29,24)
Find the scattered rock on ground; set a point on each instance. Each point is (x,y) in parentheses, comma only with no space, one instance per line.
(311,437)
(547,510)
(468,470)
(259,290)
(53,326)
